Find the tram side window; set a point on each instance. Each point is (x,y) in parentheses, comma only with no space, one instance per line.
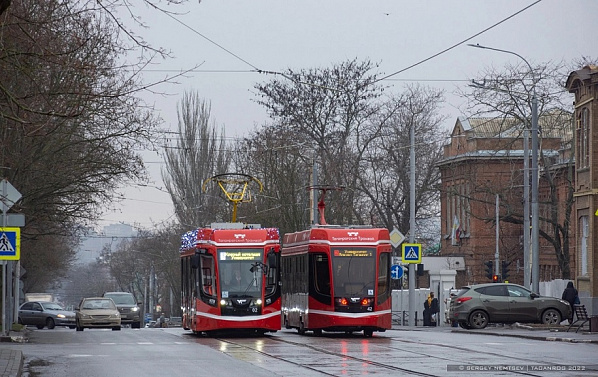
(319,271)
(383,277)
(207,274)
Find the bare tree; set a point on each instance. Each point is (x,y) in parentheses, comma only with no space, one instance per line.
(385,173)
(274,156)
(198,154)
(330,110)
(69,121)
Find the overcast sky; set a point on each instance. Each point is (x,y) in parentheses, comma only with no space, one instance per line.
(231,39)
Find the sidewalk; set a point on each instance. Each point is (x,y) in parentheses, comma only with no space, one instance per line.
(11,361)
(537,332)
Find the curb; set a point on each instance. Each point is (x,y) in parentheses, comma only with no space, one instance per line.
(533,337)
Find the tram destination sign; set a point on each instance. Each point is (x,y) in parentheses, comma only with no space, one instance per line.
(352,253)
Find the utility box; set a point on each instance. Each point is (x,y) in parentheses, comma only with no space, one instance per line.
(594,323)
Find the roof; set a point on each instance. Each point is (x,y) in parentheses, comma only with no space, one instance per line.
(584,74)
(555,123)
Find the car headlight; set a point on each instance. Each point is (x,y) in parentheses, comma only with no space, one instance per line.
(135,309)
(117,315)
(60,316)
(83,315)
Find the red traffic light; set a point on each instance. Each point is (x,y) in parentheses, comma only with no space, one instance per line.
(496,278)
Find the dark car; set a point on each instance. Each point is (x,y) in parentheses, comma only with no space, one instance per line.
(45,314)
(477,305)
(130,311)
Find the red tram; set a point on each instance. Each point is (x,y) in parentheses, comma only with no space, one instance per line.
(336,279)
(231,279)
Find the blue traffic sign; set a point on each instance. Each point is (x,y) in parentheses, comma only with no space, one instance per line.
(412,253)
(396,272)
(10,243)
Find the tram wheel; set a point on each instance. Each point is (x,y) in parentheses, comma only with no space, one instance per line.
(318,332)
(368,333)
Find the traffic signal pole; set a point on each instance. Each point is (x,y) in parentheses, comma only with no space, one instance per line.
(496,253)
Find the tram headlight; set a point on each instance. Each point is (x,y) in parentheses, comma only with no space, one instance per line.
(224,302)
(257,301)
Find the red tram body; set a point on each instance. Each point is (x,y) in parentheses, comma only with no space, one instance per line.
(231,279)
(337,279)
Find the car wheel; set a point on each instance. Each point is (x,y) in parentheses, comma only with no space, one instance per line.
(478,319)
(39,326)
(464,325)
(78,327)
(136,325)
(116,328)
(20,321)
(50,323)
(551,317)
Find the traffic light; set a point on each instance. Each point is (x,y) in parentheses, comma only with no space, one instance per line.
(489,272)
(505,269)
(496,279)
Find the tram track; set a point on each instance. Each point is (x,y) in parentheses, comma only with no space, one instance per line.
(343,356)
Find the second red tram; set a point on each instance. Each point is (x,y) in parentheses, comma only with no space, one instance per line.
(337,279)
(230,279)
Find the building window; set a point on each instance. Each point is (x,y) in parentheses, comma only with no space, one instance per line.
(457,222)
(583,138)
(583,240)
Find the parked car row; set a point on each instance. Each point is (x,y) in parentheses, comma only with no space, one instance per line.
(112,310)
(475,306)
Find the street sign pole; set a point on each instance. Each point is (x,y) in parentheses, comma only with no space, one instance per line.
(8,196)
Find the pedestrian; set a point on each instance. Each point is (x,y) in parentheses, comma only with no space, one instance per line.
(571,295)
(431,310)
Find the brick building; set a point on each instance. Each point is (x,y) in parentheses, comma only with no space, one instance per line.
(483,170)
(584,85)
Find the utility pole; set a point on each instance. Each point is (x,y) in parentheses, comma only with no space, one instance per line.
(535,230)
(411,266)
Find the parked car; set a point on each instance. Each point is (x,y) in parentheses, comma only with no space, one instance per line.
(175,322)
(130,312)
(45,314)
(476,306)
(97,312)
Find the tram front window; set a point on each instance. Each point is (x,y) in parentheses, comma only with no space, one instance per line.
(354,272)
(240,273)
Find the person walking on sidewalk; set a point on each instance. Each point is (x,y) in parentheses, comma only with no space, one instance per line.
(570,295)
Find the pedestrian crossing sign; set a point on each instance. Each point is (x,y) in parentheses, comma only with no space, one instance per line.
(412,253)
(10,243)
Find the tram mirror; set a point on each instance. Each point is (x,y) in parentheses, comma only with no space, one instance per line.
(271,259)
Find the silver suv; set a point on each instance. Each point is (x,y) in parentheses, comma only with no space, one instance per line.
(477,305)
(130,312)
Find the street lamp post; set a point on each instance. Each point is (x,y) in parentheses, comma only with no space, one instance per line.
(535,179)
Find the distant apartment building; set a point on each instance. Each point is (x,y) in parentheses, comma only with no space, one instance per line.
(94,242)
